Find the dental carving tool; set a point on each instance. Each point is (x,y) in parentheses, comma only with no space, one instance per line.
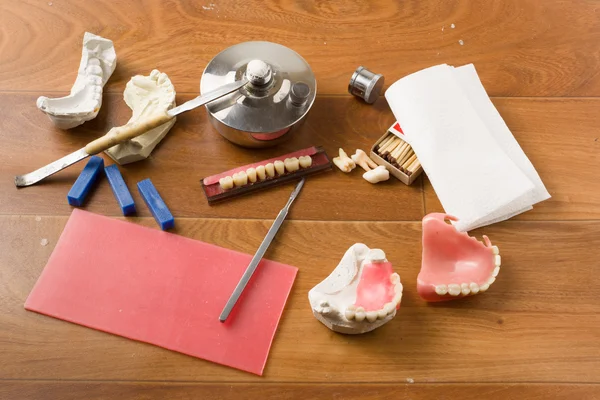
(259,254)
(120,134)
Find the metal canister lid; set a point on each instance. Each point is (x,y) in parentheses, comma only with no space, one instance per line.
(365,84)
(281,86)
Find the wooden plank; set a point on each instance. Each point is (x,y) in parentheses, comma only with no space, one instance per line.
(32,390)
(519,48)
(540,322)
(194,150)
(560,137)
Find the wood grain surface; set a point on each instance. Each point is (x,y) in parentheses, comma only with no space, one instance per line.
(535,334)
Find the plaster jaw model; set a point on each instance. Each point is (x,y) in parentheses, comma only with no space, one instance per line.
(145,95)
(454,264)
(98,61)
(361,294)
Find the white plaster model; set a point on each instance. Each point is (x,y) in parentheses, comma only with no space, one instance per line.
(376,175)
(361,294)
(361,158)
(145,95)
(343,162)
(98,61)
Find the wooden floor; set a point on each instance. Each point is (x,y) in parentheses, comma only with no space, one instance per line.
(534,335)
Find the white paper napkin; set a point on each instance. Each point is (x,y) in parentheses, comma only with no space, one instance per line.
(476,167)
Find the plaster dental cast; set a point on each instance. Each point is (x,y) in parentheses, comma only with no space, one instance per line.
(98,62)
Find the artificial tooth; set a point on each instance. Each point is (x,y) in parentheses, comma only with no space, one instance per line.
(251,173)
(464,288)
(291,164)
(395,278)
(453,289)
(154,74)
(279,167)
(270,170)
(305,161)
(496,271)
(497,260)
(441,290)
(349,314)
(351,307)
(240,179)
(381,314)
(371,316)
(484,287)
(261,173)
(360,314)
(162,78)
(398,298)
(389,308)
(495,250)
(226,183)
(491,280)
(474,288)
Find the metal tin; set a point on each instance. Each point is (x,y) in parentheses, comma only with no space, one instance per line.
(275,101)
(365,84)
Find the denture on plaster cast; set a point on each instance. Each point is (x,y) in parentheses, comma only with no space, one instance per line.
(264,174)
(146,96)
(454,264)
(361,294)
(98,62)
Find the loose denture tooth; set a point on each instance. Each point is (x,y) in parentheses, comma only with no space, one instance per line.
(226,183)
(240,179)
(291,164)
(270,170)
(454,289)
(261,173)
(251,173)
(497,260)
(305,161)
(474,288)
(371,316)
(496,272)
(279,167)
(464,288)
(441,290)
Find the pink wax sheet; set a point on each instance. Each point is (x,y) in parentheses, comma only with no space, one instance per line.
(163,289)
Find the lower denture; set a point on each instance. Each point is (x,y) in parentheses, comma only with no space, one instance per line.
(454,264)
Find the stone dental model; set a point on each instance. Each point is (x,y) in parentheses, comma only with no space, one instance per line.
(454,264)
(361,294)
(146,96)
(98,61)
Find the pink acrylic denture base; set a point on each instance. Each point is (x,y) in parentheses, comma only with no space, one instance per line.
(374,288)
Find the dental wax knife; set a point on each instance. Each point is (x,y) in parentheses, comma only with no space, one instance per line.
(120,134)
(259,254)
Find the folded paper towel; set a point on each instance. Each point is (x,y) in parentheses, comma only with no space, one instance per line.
(476,167)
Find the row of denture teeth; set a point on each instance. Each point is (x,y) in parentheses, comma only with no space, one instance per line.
(455,289)
(263,172)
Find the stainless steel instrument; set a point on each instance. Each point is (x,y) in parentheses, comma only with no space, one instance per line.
(120,134)
(259,254)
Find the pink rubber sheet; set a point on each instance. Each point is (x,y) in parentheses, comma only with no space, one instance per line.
(163,289)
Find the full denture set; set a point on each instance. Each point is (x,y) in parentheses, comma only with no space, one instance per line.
(256,94)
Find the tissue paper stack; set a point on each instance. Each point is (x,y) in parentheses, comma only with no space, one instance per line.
(476,167)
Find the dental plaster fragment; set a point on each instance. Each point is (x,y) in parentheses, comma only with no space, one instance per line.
(98,62)
(261,173)
(343,162)
(146,96)
(291,164)
(376,175)
(361,158)
(279,167)
(454,260)
(305,161)
(361,294)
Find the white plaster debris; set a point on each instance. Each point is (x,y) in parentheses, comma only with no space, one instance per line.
(461,42)
(44,242)
(410,380)
(452,26)
(38,218)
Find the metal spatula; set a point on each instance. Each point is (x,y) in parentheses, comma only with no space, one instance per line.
(120,134)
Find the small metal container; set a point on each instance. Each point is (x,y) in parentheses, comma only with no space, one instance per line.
(280,91)
(366,85)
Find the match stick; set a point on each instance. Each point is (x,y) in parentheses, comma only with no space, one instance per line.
(415,166)
(388,146)
(408,162)
(409,167)
(405,156)
(385,141)
(399,151)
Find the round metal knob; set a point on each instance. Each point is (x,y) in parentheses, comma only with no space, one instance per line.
(299,93)
(258,72)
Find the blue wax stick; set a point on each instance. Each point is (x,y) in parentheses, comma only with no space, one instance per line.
(85,181)
(155,203)
(119,188)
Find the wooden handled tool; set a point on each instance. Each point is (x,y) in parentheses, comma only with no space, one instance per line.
(123,133)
